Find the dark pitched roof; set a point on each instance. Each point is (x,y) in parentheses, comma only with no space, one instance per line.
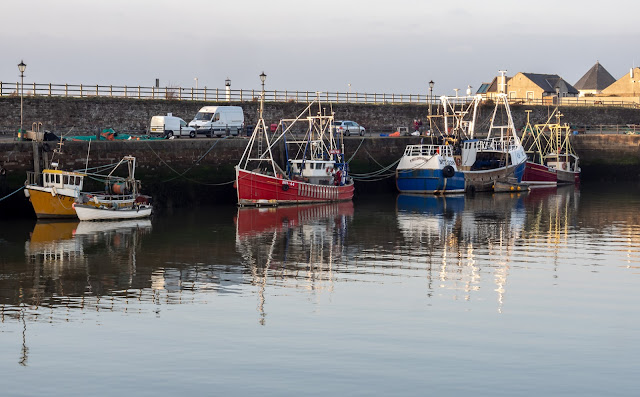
(597,78)
(549,82)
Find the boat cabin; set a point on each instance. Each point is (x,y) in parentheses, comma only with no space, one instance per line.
(314,171)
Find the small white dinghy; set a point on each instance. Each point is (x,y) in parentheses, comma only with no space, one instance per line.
(92,213)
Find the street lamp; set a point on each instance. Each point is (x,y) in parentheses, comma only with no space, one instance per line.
(263,77)
(21,67)
(431,83)
(227,87)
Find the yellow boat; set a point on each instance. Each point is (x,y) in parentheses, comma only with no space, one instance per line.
(53,192)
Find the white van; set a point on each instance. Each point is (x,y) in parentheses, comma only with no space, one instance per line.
(170,126)
(219,120)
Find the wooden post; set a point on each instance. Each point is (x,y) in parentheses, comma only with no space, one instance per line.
(111,90)
(97,94)
(80,90)
(125,91)
(49,88)
(66,90)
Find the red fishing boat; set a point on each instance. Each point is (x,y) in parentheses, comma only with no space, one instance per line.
(314,168)
(551,157)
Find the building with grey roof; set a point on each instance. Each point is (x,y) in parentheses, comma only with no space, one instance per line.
(595,80)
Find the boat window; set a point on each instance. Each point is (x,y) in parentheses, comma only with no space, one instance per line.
(318,166)
(65,179)
(58,179)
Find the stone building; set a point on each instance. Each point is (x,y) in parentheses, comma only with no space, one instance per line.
(594,81)
(529,87)
(627,86)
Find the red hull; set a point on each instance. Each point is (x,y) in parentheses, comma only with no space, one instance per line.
(539,175)
(255,221)
(259,189)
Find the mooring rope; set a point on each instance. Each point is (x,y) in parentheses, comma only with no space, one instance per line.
(11,194)
(197,162)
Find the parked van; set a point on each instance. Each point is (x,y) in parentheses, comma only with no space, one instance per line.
(171,126)
(219,120)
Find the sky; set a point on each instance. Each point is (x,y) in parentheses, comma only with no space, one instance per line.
(374,46)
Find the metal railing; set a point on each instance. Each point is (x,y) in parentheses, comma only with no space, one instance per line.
(205,94)
(230,95)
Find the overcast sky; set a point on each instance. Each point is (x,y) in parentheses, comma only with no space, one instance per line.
(376,46)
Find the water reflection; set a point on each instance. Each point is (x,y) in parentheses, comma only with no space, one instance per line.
(292,247)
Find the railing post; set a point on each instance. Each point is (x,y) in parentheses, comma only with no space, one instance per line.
(125,91)
(307,96)
(97,90)
(66,90)
(49,88)
(80,90)
(138,92)
(205,93)
(217,94)
(241,97)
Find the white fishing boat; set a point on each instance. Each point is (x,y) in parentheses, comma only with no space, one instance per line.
(464,157)
(121,199)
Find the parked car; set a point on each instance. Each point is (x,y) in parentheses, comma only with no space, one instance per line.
(347,128)
(170,125)
(219,120)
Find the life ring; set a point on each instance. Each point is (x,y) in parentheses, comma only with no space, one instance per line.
(285,187)
(328,170)
(458,161)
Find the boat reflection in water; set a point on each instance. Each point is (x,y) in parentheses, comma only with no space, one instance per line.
(63,266)
(292,247)
(469,242)
(452,233)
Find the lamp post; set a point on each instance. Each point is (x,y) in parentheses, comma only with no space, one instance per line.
(196,79)
(227,87)
(21,67)
(263,77)
(431,83)
(348,92)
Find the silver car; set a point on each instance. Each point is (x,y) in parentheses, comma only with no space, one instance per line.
(347,128)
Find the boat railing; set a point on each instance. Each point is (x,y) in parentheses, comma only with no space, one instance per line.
(498,144)
(33,178)
(428,150)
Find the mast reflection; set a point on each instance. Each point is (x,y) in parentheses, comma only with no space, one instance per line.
(292,247)
(451,232)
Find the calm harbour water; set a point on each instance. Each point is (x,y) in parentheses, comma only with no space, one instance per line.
(530,294)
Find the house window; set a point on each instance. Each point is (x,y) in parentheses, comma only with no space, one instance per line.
(530,96)
(512,95)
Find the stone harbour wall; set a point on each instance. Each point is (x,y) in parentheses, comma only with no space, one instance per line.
(78,116)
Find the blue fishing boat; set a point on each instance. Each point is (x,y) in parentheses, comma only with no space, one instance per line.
(429,169)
